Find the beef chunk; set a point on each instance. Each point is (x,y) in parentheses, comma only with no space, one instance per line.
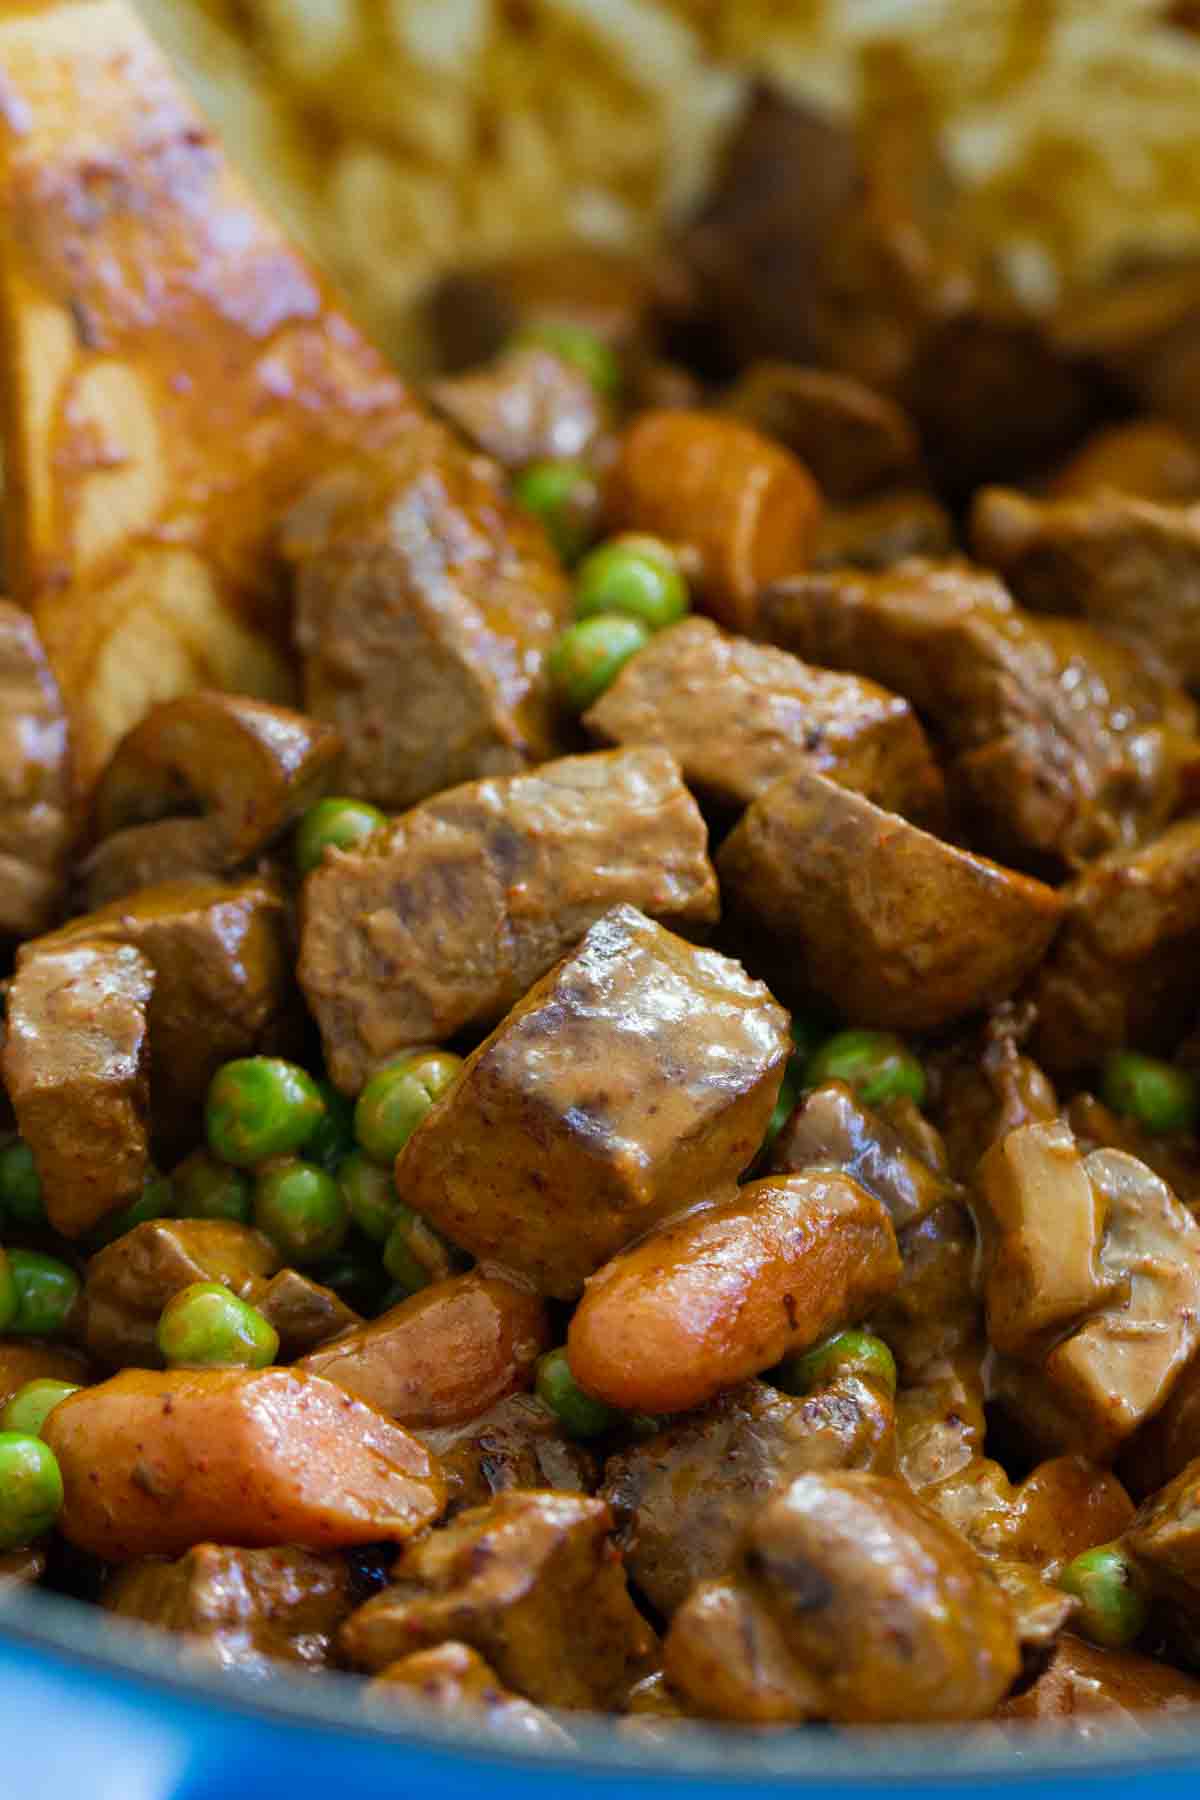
(634,1078)
(986,1087)
(1062,744)
(1082,1681)
(683,1498)
(35,824)
(445,919)
(894,926)
(425,606)
(831,1128)
(304,1312)
(1166,1533)
(518,1443)
(453,1682)
(527,406)
(221,955)
(1150,459)
(204,783)
(531,1581)
(1128,565)
(873,534)
(130,1281)
(737,716)
(850,1601)
(1118,973)
(243,1609)
(76,1067)
(854,441)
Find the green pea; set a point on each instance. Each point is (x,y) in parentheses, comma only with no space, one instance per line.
(845,1353)
(301,1209)
(32,1405)
(207,1188)
(333,824)
(369,1191)
(397,1098)
(634,575)
(47,1289)
(260,1107)
(1112,1595)
(9,1298)
(31,1489)
(577,1412)
(414,1255)
(156,1201)
(876,1064)
(205,1326)
(564,496)
(1161,1097)
(590,654)
(20,1185)
(576,345)
(333,1140)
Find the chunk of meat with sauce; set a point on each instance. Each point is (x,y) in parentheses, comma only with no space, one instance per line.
(201,786)
(153,1463)
(1083,1681)
(853,440)
(1090,1390)
(1165,1536)
(743,510)
(730,1289)
(1128,565)
(130,1281)
(873,534)
(1118,974)
(76,1065)
(221,956)
(453,1682)
(425,605)
(894,926)
(240,1609)
(985,1087)
(1148,458)
(683,1498)
(1062,744)
(305,1313)
(634,1078)
(518,1443)
(532,1582)
(832,1128)
(443,1355)
(528,405)
(738,716)
(851,1601)
(443,920)
(35,821)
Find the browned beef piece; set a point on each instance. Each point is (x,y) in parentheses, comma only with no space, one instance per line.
(425,606)
(1165,1536)
(1091,1389)
(1143,328)
(892,925)
(831,1128)
(442,921)
(531,1581)
(855,441)
(519,1443)
(130,1281)
(683,1498)
(221,957)
(985,1087)
(453,1682)
(243,1609)
(76,1064)
(35,824)
(850,1601)
(738,715)
(1082,1681)
(1148,458)
(1127,565)
(304,1312)
(633,1079)
(934,1314)
(528,405)
(1126,964)
(1062,743)
(203,784)
(875,533)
